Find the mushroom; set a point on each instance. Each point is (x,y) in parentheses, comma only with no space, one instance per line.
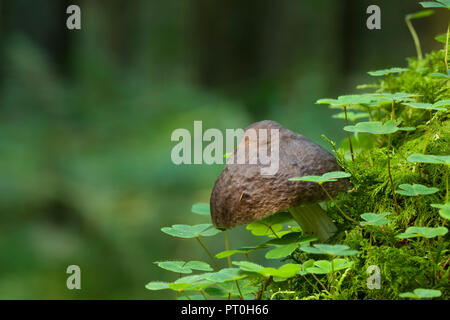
(241,194)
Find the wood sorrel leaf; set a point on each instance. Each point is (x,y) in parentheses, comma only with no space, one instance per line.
(271,224)
(374,219)
(383,72)
(398,96)
(429,158)
(201,209)
(441,75)
(157,285)
(428,106)
(376,127)
(444,211)
(324,266)
(415,190)
(426,232)
(352,116)
(329,249)
(421,294)
(436,4)
(187,231)
(327,177)
(184,267)
(244,250)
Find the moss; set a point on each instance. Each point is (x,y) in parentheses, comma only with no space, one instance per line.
(404,264)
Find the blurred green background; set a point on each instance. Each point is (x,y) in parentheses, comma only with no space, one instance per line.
(86,117)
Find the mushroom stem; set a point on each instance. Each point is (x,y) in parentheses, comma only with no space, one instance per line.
(314,220)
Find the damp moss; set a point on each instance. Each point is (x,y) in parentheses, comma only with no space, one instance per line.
(404,264)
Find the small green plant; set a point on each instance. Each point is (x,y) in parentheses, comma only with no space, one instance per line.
(421,294)
(406,123)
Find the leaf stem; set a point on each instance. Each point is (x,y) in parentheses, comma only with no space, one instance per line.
(446,46)
(187,297)
(263,288)
(415,38)
(227,248)
(393,110)
(390,176)
(208,253)
(203,294)
(333,293)
(321,284)
(348,134)
(340,210)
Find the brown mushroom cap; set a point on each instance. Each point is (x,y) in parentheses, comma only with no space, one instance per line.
(242,194)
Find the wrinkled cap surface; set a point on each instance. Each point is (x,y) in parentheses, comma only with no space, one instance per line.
(242,194)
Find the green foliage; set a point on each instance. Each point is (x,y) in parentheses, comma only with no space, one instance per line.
(325,266)
(413,190)
(426,232)
(436,4)
(421,294)
(410,248)
(374,219)
(184,267)
(429,158)
(385,72)
(201,209)
(332,250)
(326,177)
(376,127)
(186,231)
(444,211)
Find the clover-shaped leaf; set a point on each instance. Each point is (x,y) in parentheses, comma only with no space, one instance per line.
(187,231)
(192,297)
(286,271)
(244,250)
(245,287)
(324,266)
(436,4)
(195,282)
(327,177)
(384,72)
(354,99)
(398,96)
(201,209)
(352,116)
(421,294)
(248,266)
(329,249)
(269,225)
(157,285)
(429,158)
(426,232)
(281,251)
(374,219)
(377,127)
(415,190)
(304,267)
(429,106)
(227,274)
(441,75)
(184,267)
(444,211)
